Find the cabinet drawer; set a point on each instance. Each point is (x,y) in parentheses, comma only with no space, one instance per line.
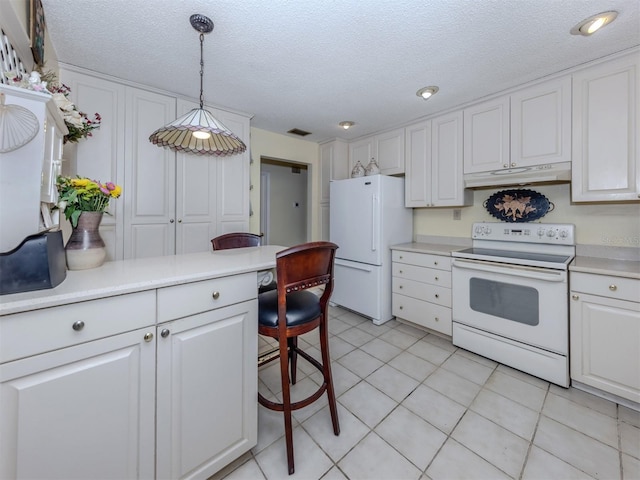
(422,274)
(196,297)
(606,286)
(39,331)
(422,259)
(422,291)
(430,315)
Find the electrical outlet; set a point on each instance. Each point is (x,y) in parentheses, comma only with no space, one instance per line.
(457,213)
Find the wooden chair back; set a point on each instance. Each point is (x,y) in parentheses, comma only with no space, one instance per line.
(236,240)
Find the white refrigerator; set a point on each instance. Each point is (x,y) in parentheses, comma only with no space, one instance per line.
(367,216)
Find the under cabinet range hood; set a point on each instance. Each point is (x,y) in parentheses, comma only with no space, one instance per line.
(534,175)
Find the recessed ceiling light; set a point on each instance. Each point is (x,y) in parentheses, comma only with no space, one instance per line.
(346,124)
(594,23)
(427,92)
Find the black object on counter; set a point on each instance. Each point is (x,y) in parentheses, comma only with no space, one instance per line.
(37,263)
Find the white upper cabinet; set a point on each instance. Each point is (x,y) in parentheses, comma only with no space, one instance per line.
(387,149)
(541,124)
(528,128)
(434,163)
(334,165)
(447,183)
(486,136)
(606,108)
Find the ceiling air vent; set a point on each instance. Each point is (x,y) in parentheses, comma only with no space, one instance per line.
(297,131)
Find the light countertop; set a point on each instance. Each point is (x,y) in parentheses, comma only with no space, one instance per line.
(606,266)
(128,276)
(431,248)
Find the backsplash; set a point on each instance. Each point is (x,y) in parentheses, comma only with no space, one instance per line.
(610,224)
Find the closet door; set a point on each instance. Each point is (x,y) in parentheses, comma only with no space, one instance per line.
(150,177)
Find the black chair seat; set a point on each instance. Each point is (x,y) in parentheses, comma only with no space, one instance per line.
(302,307)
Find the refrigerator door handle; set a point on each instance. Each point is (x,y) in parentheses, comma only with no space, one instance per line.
(374,216)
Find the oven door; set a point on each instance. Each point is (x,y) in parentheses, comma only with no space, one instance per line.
(526,304)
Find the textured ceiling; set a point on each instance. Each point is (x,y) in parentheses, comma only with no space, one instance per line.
(309,64)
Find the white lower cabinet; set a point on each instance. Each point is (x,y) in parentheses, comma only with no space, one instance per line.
(109,389)
(605,333)
(207,376)
(84,411)
(421,286)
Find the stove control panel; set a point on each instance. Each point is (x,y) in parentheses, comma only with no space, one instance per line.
(548,233)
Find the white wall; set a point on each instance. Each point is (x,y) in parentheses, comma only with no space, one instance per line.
(606,224)
(283,147)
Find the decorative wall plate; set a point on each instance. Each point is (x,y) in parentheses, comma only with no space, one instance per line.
(518,205)
(18,126)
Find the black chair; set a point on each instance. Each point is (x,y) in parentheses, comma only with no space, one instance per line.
(291,310)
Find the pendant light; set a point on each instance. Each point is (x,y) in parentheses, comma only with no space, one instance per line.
(198,132)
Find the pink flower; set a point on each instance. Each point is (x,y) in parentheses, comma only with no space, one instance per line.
(111,186)
(105,190)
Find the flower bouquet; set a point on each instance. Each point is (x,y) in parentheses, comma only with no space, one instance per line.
(77,195)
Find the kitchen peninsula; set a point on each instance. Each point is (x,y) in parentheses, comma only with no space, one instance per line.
(141,368)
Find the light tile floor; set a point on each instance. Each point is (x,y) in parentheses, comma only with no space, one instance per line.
(413,406)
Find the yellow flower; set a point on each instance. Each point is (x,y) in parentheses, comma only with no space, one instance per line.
(80,182)
(115,193)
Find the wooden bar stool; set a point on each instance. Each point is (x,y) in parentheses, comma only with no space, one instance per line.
(236,240)
(291,310)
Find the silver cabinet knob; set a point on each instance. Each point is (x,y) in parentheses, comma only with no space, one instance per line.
(513,164)
(613,288)
(437,319)
(148,337)
(505,165)
(436,279)
(575,297)
(171,221)
(77,326)
(400,271)
(437,296)
(400,287)
(180,221)
(401,307)
(165,333)
(400,257)
(215,295)
(435,263)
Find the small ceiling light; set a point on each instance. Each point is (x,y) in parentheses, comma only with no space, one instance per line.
(594,23)
(198,132)
(346,125)
(427,92)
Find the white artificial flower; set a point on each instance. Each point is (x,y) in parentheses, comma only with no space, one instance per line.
(63,102)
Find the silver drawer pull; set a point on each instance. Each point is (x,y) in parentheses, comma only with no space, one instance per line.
(437,279)
(148,337)
(437,296)
(165,333)
(400,271)
(437,319)
(215,295)
(400,257)
(401,307)
(77,326)
(613,288)
(400,287)
(575,297)
(435,263)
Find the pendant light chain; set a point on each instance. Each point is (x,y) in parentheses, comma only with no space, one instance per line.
(201,69)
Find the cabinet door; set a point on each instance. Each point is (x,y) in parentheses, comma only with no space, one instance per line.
(605,344)
(207,390)
(334,165)
(606,151)
(102,156)
(324,221)
(389,152)
(486,136)
(361,151)
(150,177)
(541,124)
(80,412)
(417,184)
(447,183)
(233,179)
(196,204)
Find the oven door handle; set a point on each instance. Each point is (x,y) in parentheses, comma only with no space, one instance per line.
(516,270)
